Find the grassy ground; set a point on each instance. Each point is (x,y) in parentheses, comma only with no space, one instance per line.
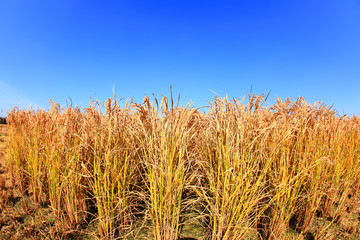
(21,218)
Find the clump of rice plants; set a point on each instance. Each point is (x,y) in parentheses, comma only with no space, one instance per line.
(165,138)
(234,185)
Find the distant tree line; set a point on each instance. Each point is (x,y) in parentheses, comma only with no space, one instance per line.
(2,120)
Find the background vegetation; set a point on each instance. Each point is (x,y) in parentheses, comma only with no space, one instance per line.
(162,171)
(2,120)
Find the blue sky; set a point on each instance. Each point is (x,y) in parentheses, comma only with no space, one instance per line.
(78,49)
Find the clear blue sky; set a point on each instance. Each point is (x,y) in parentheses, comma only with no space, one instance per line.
(76,48)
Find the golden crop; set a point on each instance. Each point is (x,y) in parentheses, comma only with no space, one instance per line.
(242,169)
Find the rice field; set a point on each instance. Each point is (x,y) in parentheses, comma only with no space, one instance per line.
(156,170)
